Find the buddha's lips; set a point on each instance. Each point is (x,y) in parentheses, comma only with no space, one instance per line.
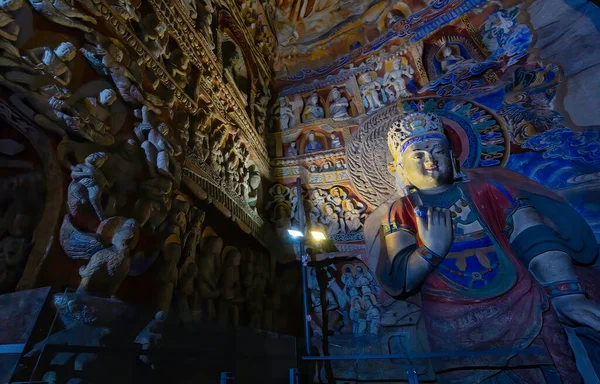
(432,169)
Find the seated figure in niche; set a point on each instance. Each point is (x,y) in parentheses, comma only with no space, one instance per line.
(335,141)
(313,168)
(312,110)
(489,252)
(394,82)
(338,109)
(287,119)
(292,150)
(327,166)
(369,89)
(313,145)
(339,164)
(449,57)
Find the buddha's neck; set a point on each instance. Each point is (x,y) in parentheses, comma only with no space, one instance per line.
(436,190)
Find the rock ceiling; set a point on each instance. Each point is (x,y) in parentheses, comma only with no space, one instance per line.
(310,32)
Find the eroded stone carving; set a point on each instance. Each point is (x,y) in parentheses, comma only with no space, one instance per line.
(230,292)
(107,268)
(107,58)
(9,28)
(208,260)
(52,62)
(88,186)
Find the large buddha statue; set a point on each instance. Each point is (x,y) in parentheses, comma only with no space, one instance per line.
(490,255)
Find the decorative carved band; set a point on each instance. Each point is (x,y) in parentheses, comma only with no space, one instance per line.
(217,188)
(140,49)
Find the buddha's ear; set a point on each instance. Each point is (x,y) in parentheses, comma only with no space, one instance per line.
(456,167)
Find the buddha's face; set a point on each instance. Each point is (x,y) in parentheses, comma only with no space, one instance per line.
(427,164)
(311,137)
(336,95)
(396,65)
(447,52)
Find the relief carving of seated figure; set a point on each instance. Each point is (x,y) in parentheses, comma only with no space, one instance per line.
(292,150)
(312,110)
(489,253)
(450,58)
(313,145)
(338,109)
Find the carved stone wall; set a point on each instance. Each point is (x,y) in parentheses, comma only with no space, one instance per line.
(127,139)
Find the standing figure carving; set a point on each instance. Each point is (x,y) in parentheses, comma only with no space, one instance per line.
(393,81)
(287,119)
(487,251)
(156,146)
(230,290)
(369,89)
(209,267)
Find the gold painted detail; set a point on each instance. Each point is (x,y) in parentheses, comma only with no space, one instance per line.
(475,35)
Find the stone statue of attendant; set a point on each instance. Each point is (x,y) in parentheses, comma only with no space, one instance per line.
(286,114)
(312,109)
(338,109)
(491,255)
(393,81)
